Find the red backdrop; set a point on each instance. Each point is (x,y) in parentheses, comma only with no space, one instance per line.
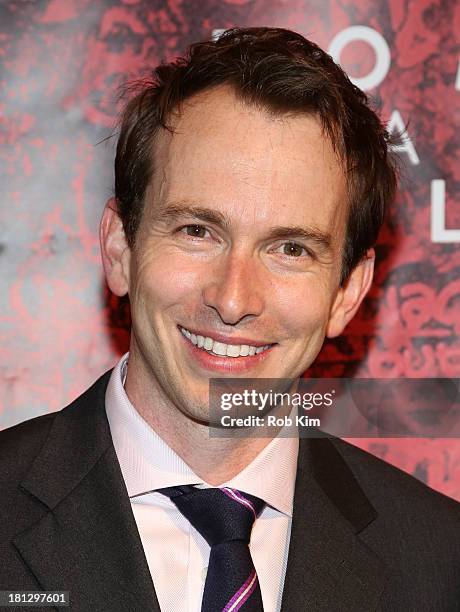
(61,63)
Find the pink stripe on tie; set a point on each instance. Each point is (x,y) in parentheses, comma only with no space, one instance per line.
(237,496)
(243,594)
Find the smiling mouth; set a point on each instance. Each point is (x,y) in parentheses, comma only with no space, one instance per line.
(221,349)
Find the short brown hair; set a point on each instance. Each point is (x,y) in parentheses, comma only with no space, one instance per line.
(281,71)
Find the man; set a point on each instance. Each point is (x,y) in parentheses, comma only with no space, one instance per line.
(251,182)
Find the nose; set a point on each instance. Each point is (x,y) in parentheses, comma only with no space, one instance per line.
(235,289)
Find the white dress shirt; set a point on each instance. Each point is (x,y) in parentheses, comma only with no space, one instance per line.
(177,555)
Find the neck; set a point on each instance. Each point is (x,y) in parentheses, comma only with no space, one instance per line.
(214,459)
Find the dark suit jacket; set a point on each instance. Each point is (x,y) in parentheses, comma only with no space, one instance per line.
(365,536)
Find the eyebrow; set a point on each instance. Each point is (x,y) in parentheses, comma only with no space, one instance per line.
(176,211)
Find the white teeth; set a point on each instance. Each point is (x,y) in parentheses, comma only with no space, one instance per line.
(220,348)
(233,350)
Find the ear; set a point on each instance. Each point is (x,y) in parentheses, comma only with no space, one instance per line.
(114,249)
(350,295)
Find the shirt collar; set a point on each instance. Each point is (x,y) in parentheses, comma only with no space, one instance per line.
(148,463)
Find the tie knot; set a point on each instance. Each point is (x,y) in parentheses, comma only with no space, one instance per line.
(218,514)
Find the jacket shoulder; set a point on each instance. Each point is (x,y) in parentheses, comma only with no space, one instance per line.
(405,505)
(381,478)
(416,533)
(21,443)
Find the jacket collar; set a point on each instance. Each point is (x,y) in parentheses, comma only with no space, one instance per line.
(329,567)
(87,543)
(84,522)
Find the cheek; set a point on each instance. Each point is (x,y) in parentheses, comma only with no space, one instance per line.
(302,306)
(164,280)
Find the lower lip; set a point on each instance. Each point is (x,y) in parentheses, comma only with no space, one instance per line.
(216,363)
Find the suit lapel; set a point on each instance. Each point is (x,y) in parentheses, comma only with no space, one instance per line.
(86,540)
(329,567)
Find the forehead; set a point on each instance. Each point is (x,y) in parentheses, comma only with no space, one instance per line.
(245,161)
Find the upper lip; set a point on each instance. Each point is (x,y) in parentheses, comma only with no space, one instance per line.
(227,339)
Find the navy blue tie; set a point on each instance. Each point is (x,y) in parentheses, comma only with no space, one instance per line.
(224,517)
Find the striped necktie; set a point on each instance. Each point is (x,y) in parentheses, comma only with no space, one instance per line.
(224,517)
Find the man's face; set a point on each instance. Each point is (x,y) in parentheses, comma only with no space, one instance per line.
(241,243)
